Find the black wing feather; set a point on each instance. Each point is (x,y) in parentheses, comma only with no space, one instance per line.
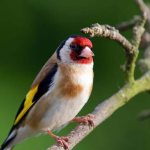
(42,89)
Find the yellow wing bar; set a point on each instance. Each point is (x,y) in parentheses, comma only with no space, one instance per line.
(27,103)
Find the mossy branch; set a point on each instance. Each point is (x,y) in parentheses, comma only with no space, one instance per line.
(132,87)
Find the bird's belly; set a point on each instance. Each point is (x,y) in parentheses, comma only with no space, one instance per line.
(62,102)
(63,110)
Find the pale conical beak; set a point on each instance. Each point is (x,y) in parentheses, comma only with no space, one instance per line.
(86,52)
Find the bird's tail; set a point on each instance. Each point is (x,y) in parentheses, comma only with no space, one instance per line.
(8,143)
(17,135)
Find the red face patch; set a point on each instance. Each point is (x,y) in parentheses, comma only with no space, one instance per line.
(78,44)
(74,57)
(82,41)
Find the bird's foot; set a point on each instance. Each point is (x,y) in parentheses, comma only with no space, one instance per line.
(61,141)
(85,120)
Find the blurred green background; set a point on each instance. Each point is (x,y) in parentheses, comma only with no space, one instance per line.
(30,31)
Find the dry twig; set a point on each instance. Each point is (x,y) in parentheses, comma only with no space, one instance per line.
(128,24)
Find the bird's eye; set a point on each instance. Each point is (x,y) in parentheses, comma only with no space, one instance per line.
(73,46)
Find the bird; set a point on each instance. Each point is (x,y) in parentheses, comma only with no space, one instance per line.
(57,94)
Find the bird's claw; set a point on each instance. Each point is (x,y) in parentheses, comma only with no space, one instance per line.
(63,142)
(85,120)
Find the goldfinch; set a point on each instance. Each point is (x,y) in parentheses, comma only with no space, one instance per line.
(57,94)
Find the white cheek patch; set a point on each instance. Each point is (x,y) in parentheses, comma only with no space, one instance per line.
(65,52)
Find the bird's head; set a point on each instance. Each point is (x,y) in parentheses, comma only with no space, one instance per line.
(76,49)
